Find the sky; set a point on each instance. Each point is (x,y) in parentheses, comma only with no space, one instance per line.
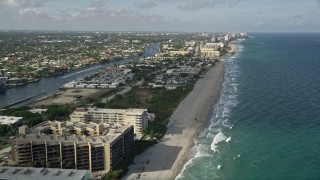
(162,15)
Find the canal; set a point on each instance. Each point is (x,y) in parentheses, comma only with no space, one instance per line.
(48,85)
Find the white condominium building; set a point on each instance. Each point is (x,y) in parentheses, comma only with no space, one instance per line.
(136,117)
(79,115)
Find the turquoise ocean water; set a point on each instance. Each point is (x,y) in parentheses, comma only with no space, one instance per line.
(266,124)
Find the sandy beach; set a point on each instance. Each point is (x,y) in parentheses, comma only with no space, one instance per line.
(166,159)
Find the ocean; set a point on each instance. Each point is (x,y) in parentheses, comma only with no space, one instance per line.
(266,124)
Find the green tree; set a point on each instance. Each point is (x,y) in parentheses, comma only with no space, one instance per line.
(4,129)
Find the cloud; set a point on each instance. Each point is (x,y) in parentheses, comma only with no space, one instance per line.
(258,23)
(23,3)
(29,11)
(171,15)
(189,5)
(298,16)
(147,5)
(23,10)
(69,14)
(108,16)
(295,23)
(10,2)
(99,3)
(194,5)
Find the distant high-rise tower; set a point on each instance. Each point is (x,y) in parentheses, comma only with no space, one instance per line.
(226,38)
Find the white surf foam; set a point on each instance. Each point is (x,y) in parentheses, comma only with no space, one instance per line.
(214,131)
(210,135)
(232,103)
(228,140)
(193,151)
(217,139)
(203,133)
(183,169)
(226,112)
(226,124)
(202,151)
(220,120)
(238,156)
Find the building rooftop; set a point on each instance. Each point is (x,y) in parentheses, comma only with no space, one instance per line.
(70,132)
(40,111)
(66,138)
(80,110)
(30,173)
(9,119)
(120,111)
(136,111)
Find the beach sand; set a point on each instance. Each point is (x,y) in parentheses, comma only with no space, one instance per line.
(166,159)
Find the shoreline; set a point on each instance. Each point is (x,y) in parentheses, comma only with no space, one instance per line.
(187,158)
(166,159)
(213,99)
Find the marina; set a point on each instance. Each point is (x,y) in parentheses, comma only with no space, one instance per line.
(22,95)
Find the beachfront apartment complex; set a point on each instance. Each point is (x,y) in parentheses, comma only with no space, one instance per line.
(72,145)
(136,117)
(210,50)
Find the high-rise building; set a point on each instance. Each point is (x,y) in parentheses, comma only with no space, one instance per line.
(73,145)
(210,50)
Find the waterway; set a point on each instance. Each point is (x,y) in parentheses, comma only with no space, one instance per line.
(48,85)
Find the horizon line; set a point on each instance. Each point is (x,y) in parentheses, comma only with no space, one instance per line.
(149,31)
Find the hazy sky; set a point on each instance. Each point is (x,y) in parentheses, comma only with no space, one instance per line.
(162,15)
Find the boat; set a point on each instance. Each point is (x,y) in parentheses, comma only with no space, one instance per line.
(3,81)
